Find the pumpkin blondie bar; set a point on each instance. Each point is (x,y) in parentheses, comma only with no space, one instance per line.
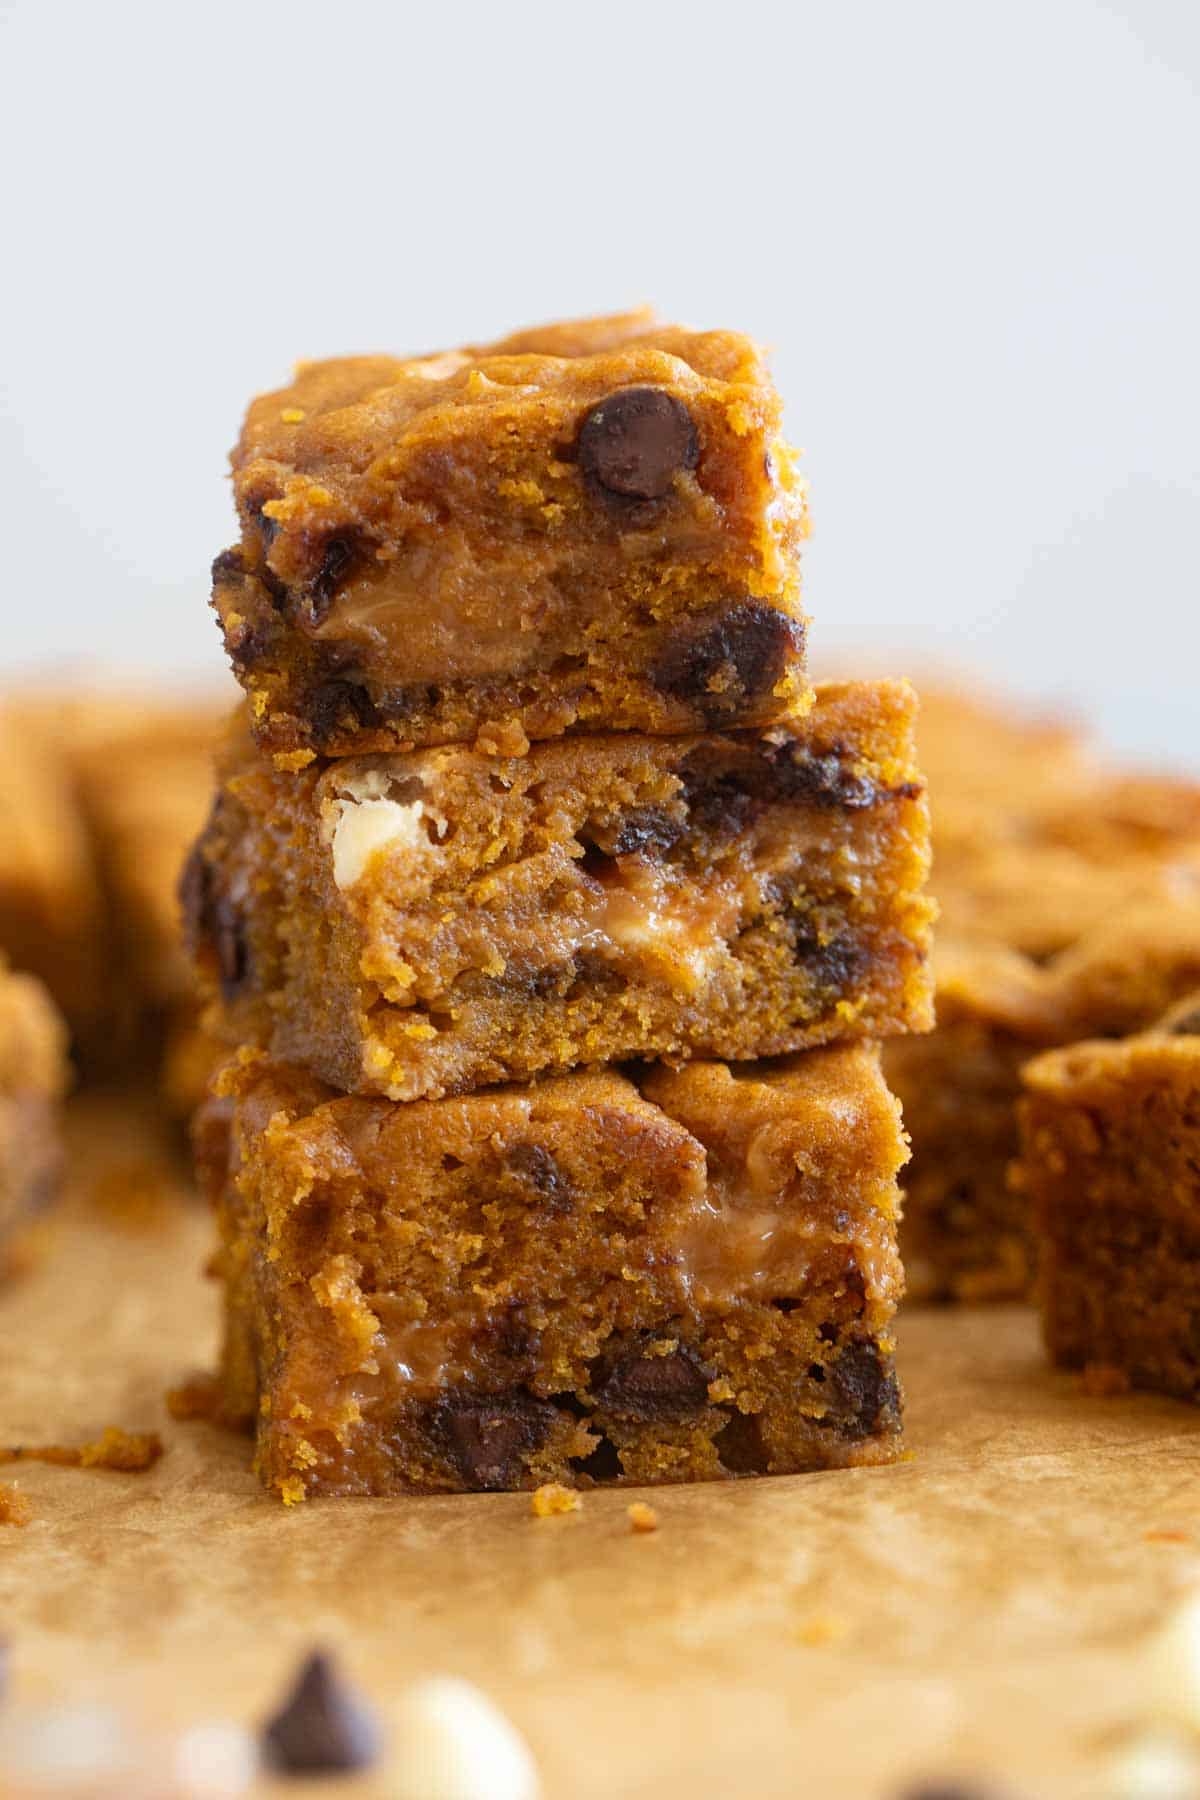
(33,1080)
(573,1281)
(422,924)
(1110,1165)
(592,526)
(966,1232)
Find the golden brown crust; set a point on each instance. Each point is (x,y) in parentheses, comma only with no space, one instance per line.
(560,1283)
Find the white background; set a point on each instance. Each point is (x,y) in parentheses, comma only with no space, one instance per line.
(969,229)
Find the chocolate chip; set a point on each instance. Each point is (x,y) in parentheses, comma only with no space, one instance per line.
(837,965)
(866,1390)
(745,648)
(334,706)
(516,1339)
(195,893)
(268,529)
(947,1790)
(719,802)
(1187,1026)
(534,1165)
(643,831)
(228,567)
(635,442)
(831,780)
(246,646)
(210,918)
(340,555)
(232,950)
(652,1387)
(487,1436)
(740,1445)
(322,1726)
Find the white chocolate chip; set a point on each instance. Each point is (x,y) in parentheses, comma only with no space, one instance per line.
(1172,1669)
(216,1762)
(1151,1767)
(365,826)
(71,1744)
(453,1744)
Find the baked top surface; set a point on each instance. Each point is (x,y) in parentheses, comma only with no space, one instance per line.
(353,407)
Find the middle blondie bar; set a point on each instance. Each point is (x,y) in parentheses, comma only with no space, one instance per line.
(415,925)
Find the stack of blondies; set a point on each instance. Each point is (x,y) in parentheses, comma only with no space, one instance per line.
(532,841)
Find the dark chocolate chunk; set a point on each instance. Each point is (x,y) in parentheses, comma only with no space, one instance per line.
(229,942)
(838,964)
(643,831)
(740,1445)
(340,556)
(487,1436)
(246,646)
(534,1165)
(947,1790)
(228,567)
(195,894)
(830,780)
(268,529)
(322,1726)
(333,704)
(867,1394)
(636,442)
(718,800)
(211,920)
(1186,1026)
(747,644)
(516,1339)
(649,1387)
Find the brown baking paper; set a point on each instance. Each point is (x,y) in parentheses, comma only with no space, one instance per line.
(980,1608)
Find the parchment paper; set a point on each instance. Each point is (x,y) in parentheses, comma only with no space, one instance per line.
(978,1609)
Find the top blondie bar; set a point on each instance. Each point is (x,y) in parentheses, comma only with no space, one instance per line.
(588,526)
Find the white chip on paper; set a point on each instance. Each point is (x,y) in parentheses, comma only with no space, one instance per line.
(66,1744)
(451,1743)
(216,1762)
(1157,1766)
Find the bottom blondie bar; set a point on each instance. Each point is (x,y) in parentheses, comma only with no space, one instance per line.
(1111,1165)
(33,1079)
(585,1280)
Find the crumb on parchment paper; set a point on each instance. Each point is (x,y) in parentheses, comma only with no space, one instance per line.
(196,1397)
(641,1517)
(551,1498)
(130,1452)
(822,1628)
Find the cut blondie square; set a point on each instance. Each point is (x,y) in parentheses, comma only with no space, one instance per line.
(593,526)
(52,914)
(1110,1164)
(573,1281)
(423,924)
(966,1232)
(33,1079)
